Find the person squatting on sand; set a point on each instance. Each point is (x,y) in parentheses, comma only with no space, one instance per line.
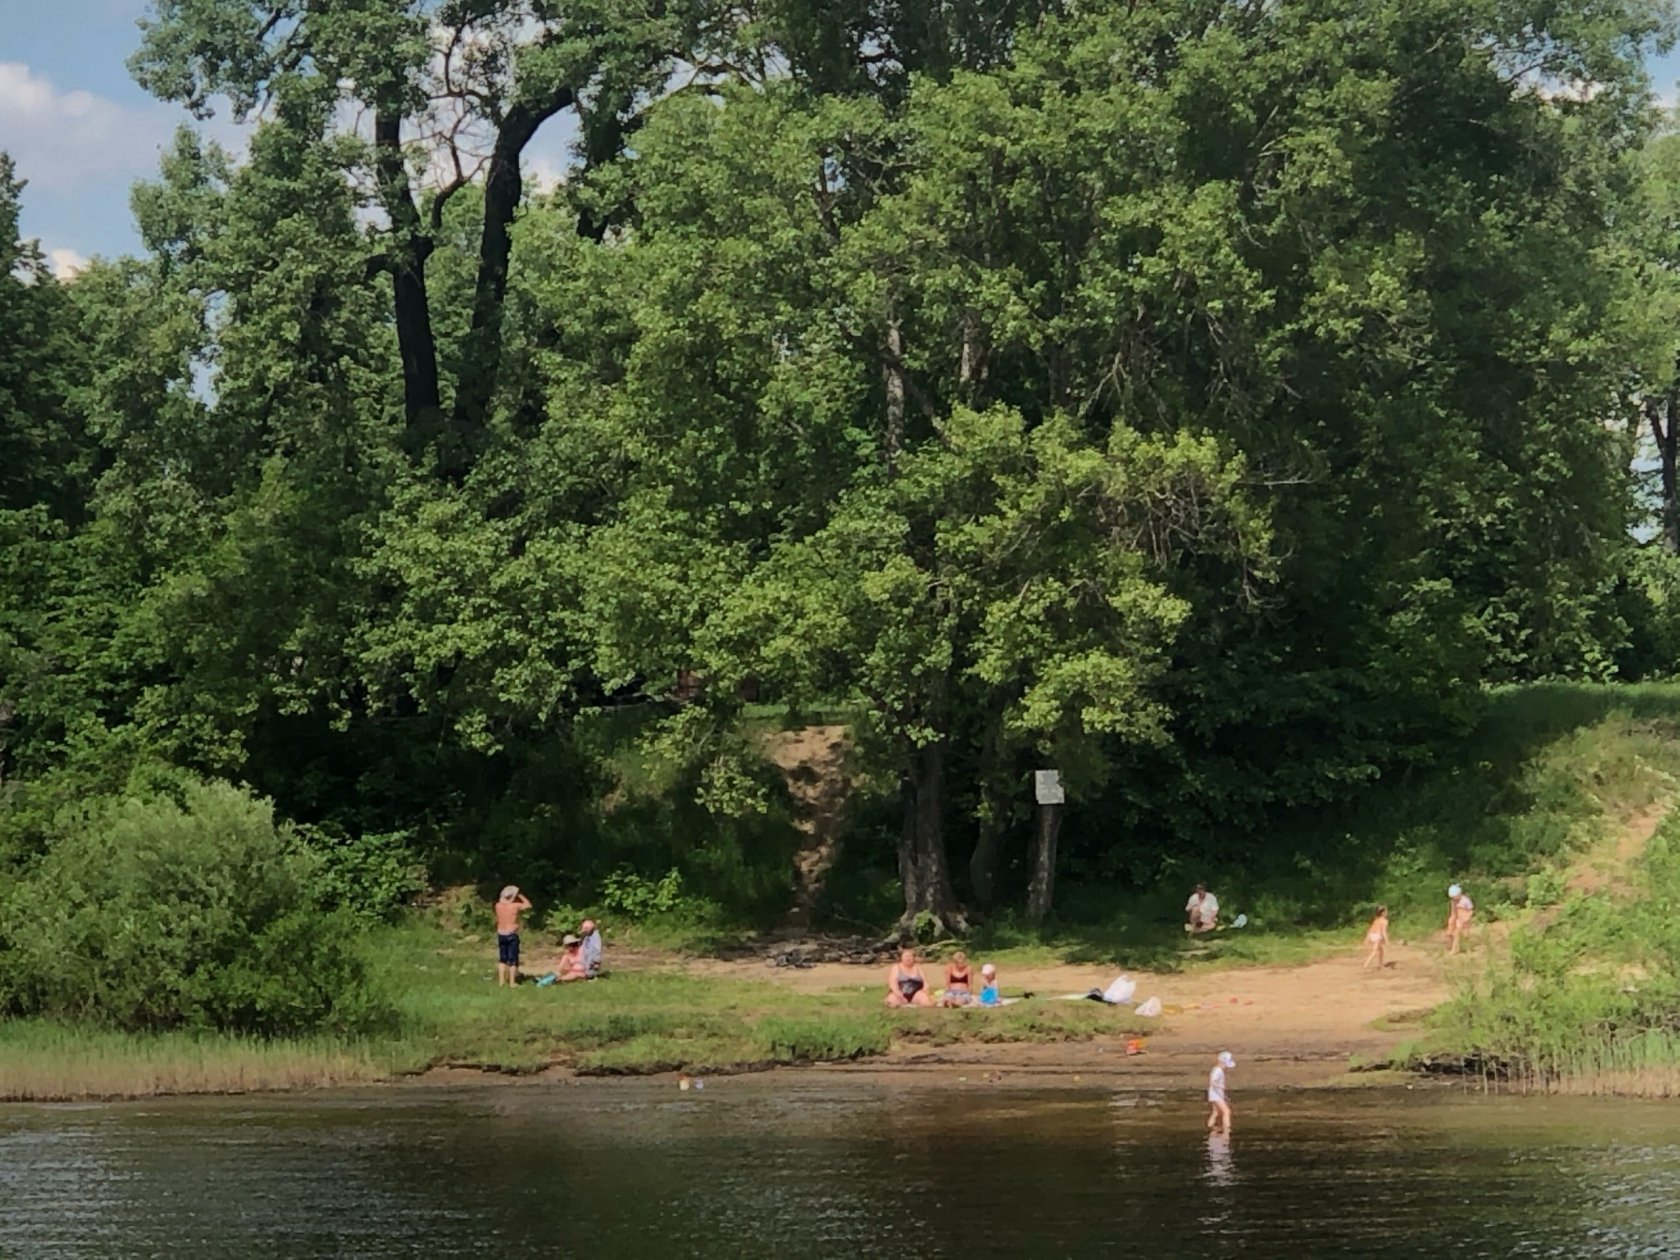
(509,906)
(1202,910)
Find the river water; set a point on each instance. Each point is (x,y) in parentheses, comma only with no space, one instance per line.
(824,1165)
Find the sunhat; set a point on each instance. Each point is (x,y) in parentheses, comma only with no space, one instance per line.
(569,939)
(510,892)
(1225,1059)
(1454,891)
(988,970)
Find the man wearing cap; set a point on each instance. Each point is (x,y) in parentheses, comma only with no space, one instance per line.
(591,948)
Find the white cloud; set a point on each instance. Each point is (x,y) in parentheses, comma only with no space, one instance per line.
(66,263)
(66,140)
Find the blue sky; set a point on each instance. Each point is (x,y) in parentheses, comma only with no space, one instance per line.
(82,132)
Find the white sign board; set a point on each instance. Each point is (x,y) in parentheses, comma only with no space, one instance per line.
(1047,785)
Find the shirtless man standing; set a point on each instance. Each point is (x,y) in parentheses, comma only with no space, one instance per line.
(509,907)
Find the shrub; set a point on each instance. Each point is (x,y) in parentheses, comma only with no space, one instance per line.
(372,876)
(636,897)
(153,913)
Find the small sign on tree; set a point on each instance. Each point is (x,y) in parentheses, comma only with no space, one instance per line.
(1047,785)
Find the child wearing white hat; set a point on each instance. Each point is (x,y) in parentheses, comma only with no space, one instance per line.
(1219,1110)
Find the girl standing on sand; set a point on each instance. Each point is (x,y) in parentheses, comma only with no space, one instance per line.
(1219,1110)
(1376,936)
(1460,909)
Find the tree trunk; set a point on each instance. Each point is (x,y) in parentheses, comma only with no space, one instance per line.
(1665,428)
(994,809)
(939,897)
(504,186)
(1043,886)
(909,872)
(983,863)
(893,440)
(410,248)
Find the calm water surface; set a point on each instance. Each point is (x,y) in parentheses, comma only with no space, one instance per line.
(814,1167)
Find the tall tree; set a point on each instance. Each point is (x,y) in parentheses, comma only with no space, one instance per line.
(452,94)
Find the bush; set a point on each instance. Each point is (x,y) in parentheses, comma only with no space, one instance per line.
(372,876)
(153,913)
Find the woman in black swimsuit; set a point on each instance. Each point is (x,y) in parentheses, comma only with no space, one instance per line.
(905,985)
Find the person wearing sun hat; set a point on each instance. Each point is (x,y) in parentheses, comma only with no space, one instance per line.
(1219,1110)
(1460,910)
(570,964)
(509,906)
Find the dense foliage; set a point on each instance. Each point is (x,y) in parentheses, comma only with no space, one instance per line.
(1205,397)
(147,914)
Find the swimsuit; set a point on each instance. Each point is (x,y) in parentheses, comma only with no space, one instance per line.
(507,948)
(909,986)
(1216,1085)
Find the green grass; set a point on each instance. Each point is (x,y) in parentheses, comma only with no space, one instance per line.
(1505,810)
(44,1061)
(450,1013)
(1585,998)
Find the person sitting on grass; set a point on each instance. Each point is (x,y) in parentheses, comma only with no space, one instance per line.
(905,983)
(959,982)
(509,906)
(571,965)
(1460,910)
(591,948)
(1376,936)
(1202,910)
(989,994)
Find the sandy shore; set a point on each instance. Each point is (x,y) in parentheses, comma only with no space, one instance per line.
(1300,1027)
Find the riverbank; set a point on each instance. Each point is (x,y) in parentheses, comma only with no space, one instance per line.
(662,1013)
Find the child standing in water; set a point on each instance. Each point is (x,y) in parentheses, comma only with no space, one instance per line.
(1459,911)
(509,906)
(1219,1111)
(1376,936)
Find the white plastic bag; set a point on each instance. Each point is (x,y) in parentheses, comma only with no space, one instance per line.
(1120,992)
(1151,1008)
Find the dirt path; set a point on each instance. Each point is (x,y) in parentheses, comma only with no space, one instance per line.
(1293,1025)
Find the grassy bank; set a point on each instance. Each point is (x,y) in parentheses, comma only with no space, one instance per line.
(1577,988)
(449,1013)
(1549,773)
(1585,996)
